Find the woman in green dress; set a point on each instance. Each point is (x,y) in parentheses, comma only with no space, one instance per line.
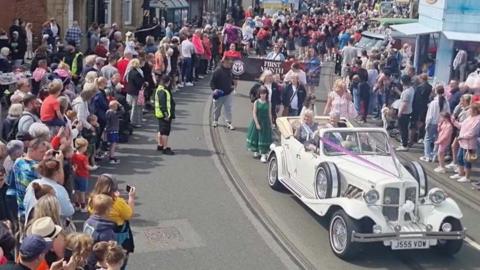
(259,134)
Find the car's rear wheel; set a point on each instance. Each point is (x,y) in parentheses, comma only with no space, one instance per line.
(340,235)
(450,247)
(327,181)
(273,181)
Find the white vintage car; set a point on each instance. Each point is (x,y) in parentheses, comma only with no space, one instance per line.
(352,176)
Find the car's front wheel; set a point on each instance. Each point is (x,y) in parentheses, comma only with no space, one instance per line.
(273,181)
(451,247)
(340,235)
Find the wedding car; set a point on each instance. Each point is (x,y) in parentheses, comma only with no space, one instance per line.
(353,177)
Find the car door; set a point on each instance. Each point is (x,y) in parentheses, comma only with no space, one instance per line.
(306,162)
(292,148)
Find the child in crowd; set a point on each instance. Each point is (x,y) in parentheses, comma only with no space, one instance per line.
(259,135)
(110,255)
(98,226)
(50,113)
(82,173)
(112,128)
(445,132)
(91,137)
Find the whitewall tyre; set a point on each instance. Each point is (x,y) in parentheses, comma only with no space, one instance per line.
(340,235)
(273,181)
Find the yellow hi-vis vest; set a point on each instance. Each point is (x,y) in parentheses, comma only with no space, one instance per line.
(158,108)
(74,63)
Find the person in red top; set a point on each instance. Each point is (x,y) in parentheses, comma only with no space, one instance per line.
(102,48)
(82,173)
(232,52)
(122,66)
(50,113)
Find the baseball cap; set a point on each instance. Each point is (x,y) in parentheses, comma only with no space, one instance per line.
(45,228)
(33,246)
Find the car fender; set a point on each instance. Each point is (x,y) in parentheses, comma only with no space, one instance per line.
(355,208)
(278,151)
(434,215)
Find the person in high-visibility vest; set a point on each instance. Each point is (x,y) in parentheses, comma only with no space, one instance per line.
(165,113)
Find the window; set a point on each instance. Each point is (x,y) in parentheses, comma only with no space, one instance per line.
(108,11)
(127,12)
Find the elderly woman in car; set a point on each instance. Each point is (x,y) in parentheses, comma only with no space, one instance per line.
(305,132)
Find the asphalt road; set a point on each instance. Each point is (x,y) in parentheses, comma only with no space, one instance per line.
(194,213)
(187,214)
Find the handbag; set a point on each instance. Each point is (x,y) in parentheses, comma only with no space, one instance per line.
(124,237)
(471,156)
(141,97)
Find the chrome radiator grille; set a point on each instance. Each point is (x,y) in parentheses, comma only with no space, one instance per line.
(391,199)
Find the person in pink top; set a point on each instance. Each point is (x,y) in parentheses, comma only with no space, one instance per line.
(467,140)
(445,132)
(199,53)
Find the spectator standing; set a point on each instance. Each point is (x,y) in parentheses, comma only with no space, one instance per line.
(405,111)
(29,39)
(82,173)
(438,106)
(467,140)
(349,54)
(31,253)
(187,50)
(340,101)
(14,151)
(222,84)
(135,82)
(8,127)
(460,113)
(51,172)
(445,132)
(276,54)
(420,106)
(31,110)
(74,34)
(109,70)
(112,128)
(24,169)
(18,48)
(5,65)
(454,94)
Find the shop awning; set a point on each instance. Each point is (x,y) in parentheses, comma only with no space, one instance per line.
(462,36)
(173,4)
(411,29)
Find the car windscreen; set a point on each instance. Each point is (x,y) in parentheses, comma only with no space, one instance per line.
(358,142)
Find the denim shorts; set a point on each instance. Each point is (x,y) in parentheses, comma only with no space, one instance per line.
(461,159)
(81,183)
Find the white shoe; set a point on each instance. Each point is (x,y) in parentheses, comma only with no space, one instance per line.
(426,159)
(189,84)
(439,170)
(94,168)
(256,154)
(180,85)
(230,126)
(463,180)
(420,141)
(451,166)
(263,158)
(402,148)
(214,124)
(457,170)
(456,176)
(201,76)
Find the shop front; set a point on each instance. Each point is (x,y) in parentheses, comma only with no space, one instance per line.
(457,24)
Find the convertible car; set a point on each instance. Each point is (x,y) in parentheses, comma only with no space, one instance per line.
(352,177)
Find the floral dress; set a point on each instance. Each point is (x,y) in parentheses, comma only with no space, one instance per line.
(260,140)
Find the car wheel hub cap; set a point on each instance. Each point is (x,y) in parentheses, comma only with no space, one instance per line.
(272,178)
(321,185)
(339,234)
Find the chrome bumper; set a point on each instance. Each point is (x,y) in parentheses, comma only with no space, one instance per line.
(379,237)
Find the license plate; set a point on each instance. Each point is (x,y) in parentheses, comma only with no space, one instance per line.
(409,244)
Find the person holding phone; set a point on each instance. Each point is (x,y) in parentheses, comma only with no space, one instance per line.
(122,210)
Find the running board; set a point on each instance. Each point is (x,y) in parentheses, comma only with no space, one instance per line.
(297,189)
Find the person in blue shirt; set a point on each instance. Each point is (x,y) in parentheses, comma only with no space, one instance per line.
(343,39)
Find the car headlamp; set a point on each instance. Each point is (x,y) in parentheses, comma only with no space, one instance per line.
(371,196)
(437,196)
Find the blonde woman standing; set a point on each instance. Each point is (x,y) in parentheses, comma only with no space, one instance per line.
(29,34)
(340,100)
(135,82)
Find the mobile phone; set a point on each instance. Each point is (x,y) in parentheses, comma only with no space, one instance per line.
(67,255)
(128,188)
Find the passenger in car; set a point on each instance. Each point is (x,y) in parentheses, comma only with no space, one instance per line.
(306,130)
